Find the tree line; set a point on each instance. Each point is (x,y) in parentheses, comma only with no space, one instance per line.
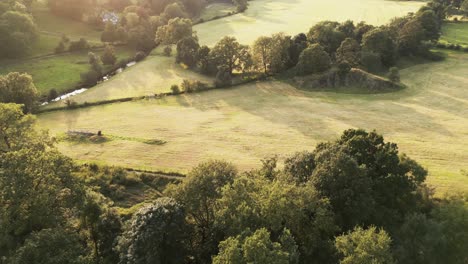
(356,199)
(326,45)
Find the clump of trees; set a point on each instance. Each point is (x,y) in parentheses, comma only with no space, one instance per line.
(18,31)
(18,88)
(327,46)
(352,200)
(96,70)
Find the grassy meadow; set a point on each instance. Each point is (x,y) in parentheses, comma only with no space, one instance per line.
(155,74)
(214,10)
(455,33)
(60,72)
(57,71)
(428,120)
(264,17)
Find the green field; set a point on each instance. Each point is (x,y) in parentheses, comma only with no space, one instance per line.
(60,72)
(57,71)
(155,74)
(264,17)
(428,120)
(455,32)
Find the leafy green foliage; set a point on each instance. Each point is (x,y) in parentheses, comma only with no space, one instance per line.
(155,234)
(17,33)
(51,246)
(18,88)
(313,59)
(362,246)
(258,248)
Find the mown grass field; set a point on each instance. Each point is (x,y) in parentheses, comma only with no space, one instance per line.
(428,120)
(213,10)
(264,17)
(60,72)
(455,32)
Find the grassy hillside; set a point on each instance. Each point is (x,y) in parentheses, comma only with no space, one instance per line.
(264,17)
(428,120)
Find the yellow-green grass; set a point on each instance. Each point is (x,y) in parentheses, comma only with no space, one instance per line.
(156,74)
(455,32)
(428,120)
(213,10)
(264,17)
(60,72)
(56,25)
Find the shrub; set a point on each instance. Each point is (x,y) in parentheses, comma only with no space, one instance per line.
(192,86)
(81,44)
(60,48)
(90,78)
(371,61)
(70,104)
(52,95)
(109,57)
(441,45)
(223,78)
(313,59)
(394,75)
(175,89)
(139,56)
(167,51)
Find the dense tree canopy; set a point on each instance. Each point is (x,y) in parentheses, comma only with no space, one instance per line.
(18,32)
(18,88)
(230,54)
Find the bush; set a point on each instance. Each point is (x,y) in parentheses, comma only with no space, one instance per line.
(441,45)
(60,48)
(394,75)
(192,86)
(313,59)
(223,78)
(70,104)
(90,78)
(167,51)
(52,95)
(175,89)
(371,61)
(139,56)
(81,44)
(109,57)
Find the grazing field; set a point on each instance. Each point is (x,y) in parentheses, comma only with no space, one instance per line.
(214,10)
(59,72)
(428,120)
(264,17)
(455,32)
(155,74)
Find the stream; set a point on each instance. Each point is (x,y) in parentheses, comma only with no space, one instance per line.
(82,90)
